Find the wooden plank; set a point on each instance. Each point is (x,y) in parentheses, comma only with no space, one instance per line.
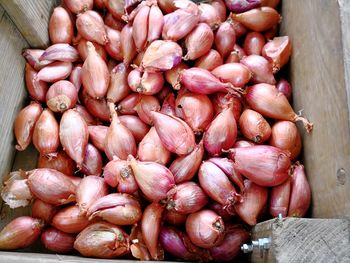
(320,90)
(31,18)
(304,240)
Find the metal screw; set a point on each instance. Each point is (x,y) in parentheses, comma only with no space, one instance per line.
(262,244)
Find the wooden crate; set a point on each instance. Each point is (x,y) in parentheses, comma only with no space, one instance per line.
(319,73)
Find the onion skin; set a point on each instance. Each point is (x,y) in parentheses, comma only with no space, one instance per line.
(151,149)
(210,60)
(184,168)
(147,83)
(127,44)
(279,200)
(119,209)
(45,136)
(32,56)
(116,8)
(278,50)
(55,71)
(89,119)
(254,201)
(254,43)
(221,211)
(118,174)
(145,105)
(97,135)
(60,162)
(155,24)
(300,196)
(174,218)
(83,49)
(285,135)
(258,19)
(74,136)
(75,77)
(118,87)
(269,102)
(150,227)
(20,233)
(140,27)
(25,123)
(70,220)
(96,107)
(261,69)
(90,26)
(60,52)
(221,133)
(236,55)
(217,186)
(138,247)
(179,245)
(254,127)
(60,26)
(199,41)
(61,96)
(235,73)
(235,236)
(36,88)
(270,3)
(209,15)
(57,241)
(220,8)
(240,30)
(154,179)
(179,139)
(78,6)
(225,39)
(240,6)
(102,240)
(284,87)
(243,143)
(168,106)
(167,6)
(262,164)
(94,74)
(205,228)
(172,76)
(186,198)
(113,46)
(137,127)
(114,23)
(220,101)
(43,211)
(128,104)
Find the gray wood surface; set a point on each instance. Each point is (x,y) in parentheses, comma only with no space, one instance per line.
(301,240)
(319,31)
(31,18)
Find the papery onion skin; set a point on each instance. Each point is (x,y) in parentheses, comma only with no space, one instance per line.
(70,220)
(168,106)
(20,233)
(279,200)
(210,60)
(60,26)
(236,54)
(97,135)
(254,201)
(60,162)
(61,96)
(137,127)
(96,107)
(261,69)
(172,76)
(155,24)
(92,164)
(83,49)
(36,88)
(205,228)
(43,211)
(239,6)
(118,87)
(116,8)
(60,52)
(89,119)
(225,39)
(90,26)
(77,6)
(57,241)
(127,44)
(235,73)
(254,127)
(254,43)
(140,27)
(113,22)
(278,50)
(284,87)
(144,107)
(75,77)
(220,101)
(262,164)
(25,123)
(128,104)
(55,71)
(174,218)
(113,47)
(32,56)
(221,211)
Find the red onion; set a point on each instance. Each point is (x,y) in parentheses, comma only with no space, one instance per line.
(57,241)
(195,109)
(209,61)
(60,52)
(174,218)
(140,27)
(113,47)
(165,91)
(74,136)
(138,247)
(220,101)
(240,30)
(217,186)
(32,56)
(300,196)
(90,26)
(54,72)
(284,87)
(184,168)
(258,19)
(155,24)
(179,245)
(162,55)
(209,15)
(150,226)
(128,104)
(239,6)
(285,135)
(225,39)
(60,26)
(127,44)
(119,141)
(20,233)
(70,220)
(254,127)
(78,6)
(118,174)
(186,198)
(235,73)
(75,77)
(261,69)
(96,107)
(148,83)
(205,228)
(60,162)
(266,99)
(137,127)
(92,164)
(25,123)
(199,41)
(154,179)
(83,49)
(254,43)
(119,209)
(172,76)
(45,136)
(89,119)
(43,211)
(270,3)
(220,8)
(243,143)
(118,86)
(112,22)
(97,135)
(151,149)
(254,201)
(167,6)
(168,106)
(221,133)
(279,200)
(146,104)
(235,236)
(236,55)
(61,96)
(116,8)
(221,211)
(262,164)
(278,50)
(179,139)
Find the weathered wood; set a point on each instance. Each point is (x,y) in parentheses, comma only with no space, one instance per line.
(304,240)
(320,90)
(31,19)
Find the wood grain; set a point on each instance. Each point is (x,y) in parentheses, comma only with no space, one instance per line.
(31,18)
(301,240)
(317,73)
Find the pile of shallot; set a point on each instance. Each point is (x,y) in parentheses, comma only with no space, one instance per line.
(164,130)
